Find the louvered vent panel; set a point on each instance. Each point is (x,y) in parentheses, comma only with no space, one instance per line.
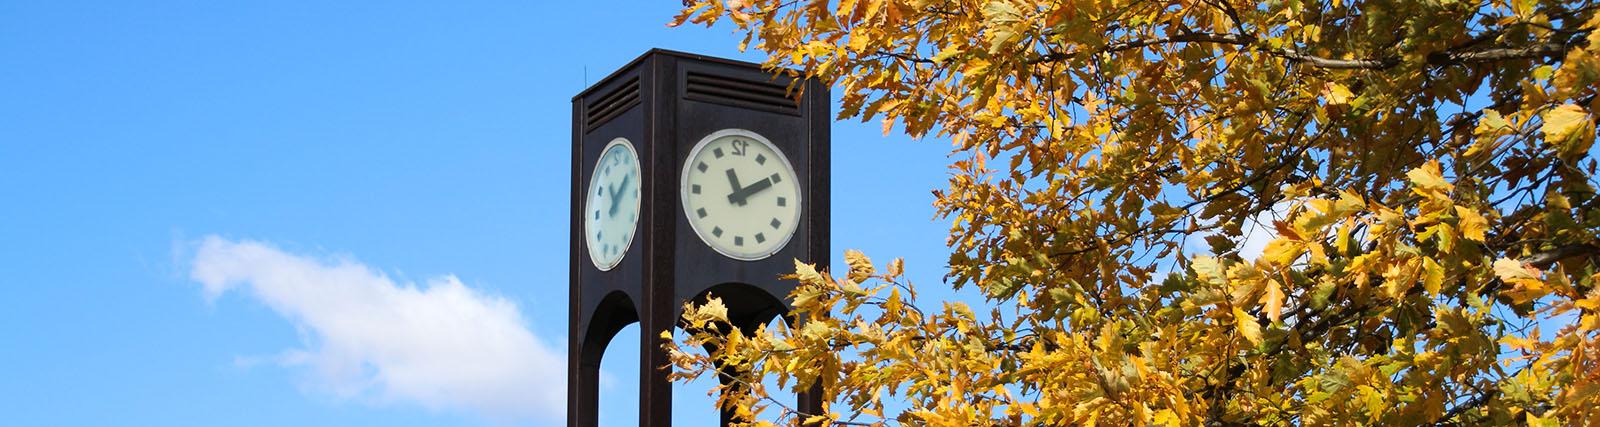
(611,105)
(753,94)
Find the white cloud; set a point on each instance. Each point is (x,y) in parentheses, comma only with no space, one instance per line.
(1258,231)
(442,345)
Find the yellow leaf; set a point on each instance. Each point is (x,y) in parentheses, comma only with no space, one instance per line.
(851,287)
(1569,130)
(1027,409)
(945,54)
(1001,19)
(1581,392)
(1283,251)
(1244,291)
(1428,179)
(1491,121)
(1522,8)
(1446,235)
(805,297)
(1432,276)
(1273,300)
(1592,303)
(1247,326)
(1473,225)
(807,274)
(847,11)
(1511,270)
(1208,269)
(1524,280)
(860,266)
(859,42)
(1519,343)
(779,344)
(1336,94)
(897,266)
(892,305)
(814,330)
(1536,421)
(713,309)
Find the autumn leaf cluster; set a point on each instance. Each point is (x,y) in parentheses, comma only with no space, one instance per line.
(1423,174)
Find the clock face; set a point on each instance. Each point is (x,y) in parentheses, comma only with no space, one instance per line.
(611,212)
(740,194)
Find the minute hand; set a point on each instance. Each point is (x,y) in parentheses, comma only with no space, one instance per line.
(738,196)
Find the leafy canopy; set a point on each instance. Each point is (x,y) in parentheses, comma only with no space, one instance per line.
(1424,170)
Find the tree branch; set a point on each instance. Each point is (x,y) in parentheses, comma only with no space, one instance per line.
(1448,57)
(1544,259)
(1337,64)
(1498,54)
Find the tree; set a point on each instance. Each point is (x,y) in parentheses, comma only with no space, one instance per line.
(1424,169)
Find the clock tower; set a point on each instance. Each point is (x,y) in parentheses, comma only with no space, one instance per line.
(691,175)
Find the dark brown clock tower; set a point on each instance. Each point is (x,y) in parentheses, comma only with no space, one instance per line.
(664,103)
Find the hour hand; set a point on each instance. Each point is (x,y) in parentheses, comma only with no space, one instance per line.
(733,181)
(617,192)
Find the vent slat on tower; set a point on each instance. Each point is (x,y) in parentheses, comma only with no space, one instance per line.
(759,95)
(611,105)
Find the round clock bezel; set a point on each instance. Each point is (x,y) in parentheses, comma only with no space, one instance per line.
(594,174)
(683,192)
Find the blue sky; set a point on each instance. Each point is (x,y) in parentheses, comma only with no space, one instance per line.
(215,213)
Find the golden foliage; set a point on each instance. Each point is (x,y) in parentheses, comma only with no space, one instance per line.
(1425,171)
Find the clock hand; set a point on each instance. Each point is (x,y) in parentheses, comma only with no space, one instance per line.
(614,193)
(611,196)
(611,199)
(739,197)
(733,180)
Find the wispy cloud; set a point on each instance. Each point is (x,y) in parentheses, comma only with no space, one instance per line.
(1258,232)
(442,345)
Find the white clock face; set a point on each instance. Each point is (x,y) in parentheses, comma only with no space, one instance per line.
(741,194)
(611,212)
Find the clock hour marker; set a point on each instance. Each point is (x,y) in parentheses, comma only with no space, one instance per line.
(761,160)
(776,223)
(717,152)
(695,189)
(782,201)
(701,212)
(760,238)
(776,179)
(717,231)
(738,240)
(596,214)
(701,166)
